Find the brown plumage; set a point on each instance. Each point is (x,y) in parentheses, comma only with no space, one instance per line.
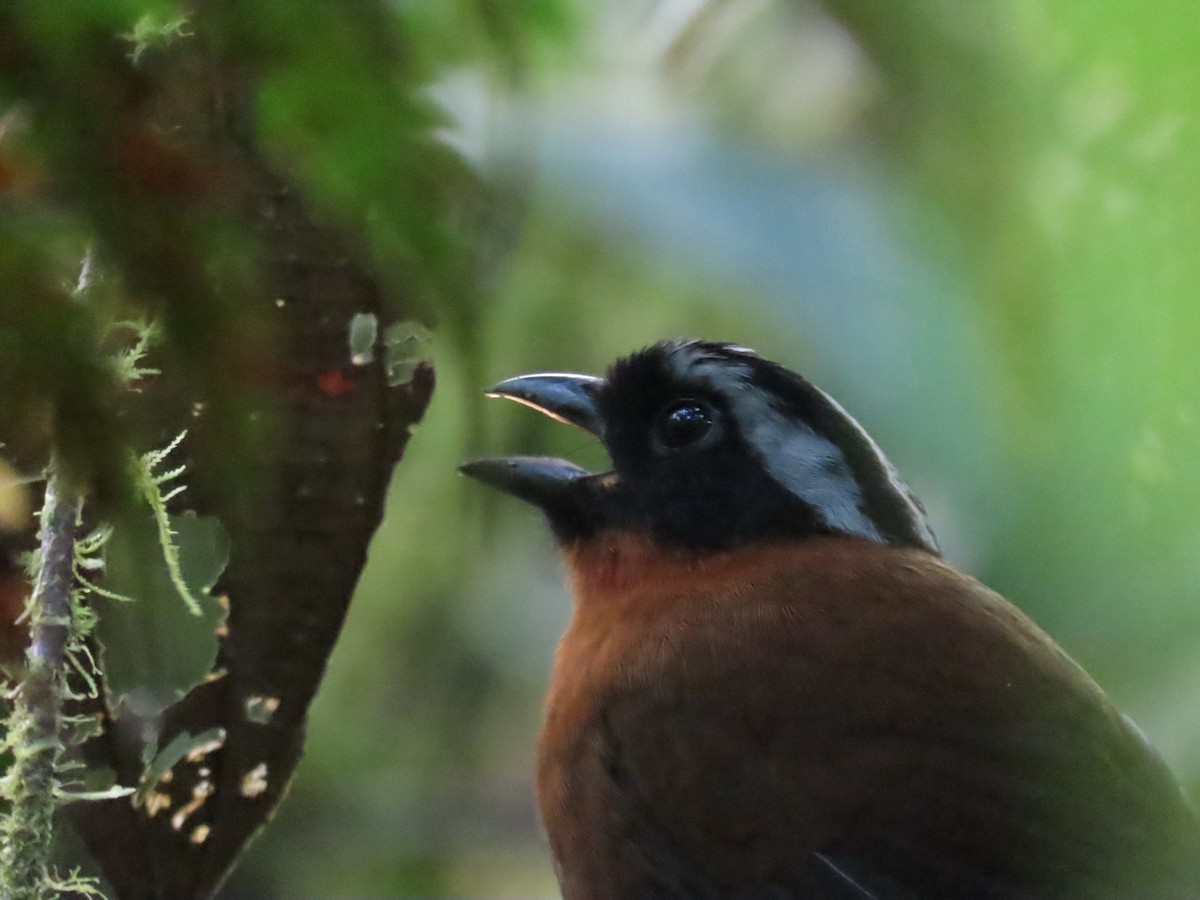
(773,686)
(717,721)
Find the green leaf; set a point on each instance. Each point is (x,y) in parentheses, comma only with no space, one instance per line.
(154,649)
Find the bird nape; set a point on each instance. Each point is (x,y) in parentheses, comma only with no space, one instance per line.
(772,685)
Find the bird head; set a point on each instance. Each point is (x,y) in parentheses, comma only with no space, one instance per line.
(712,447)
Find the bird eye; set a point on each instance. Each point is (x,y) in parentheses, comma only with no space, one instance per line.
(683,424)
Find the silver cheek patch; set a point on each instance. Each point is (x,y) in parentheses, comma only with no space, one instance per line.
(802,461)
(916,514)
(810,466)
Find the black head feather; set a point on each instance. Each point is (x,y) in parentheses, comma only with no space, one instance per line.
(713,447)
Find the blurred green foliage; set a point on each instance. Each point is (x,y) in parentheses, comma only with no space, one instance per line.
(154,648)
(973,223)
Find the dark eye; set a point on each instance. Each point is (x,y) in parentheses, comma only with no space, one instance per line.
(682,424)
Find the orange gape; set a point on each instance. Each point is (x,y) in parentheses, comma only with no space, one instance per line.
(773,686)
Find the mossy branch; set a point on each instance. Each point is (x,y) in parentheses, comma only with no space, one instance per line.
(35,726)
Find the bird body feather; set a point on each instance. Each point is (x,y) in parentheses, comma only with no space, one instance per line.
(774,687)
(1017,780)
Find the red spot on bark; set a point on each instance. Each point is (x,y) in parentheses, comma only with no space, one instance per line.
(334,383)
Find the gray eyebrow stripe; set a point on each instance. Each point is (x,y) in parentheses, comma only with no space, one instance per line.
(804,462)
(915,513)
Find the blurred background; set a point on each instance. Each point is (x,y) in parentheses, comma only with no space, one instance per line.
(974,223)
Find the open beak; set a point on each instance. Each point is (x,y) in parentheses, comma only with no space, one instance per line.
(543,481)
(568,398)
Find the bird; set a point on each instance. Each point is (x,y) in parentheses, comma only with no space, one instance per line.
(774,686)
